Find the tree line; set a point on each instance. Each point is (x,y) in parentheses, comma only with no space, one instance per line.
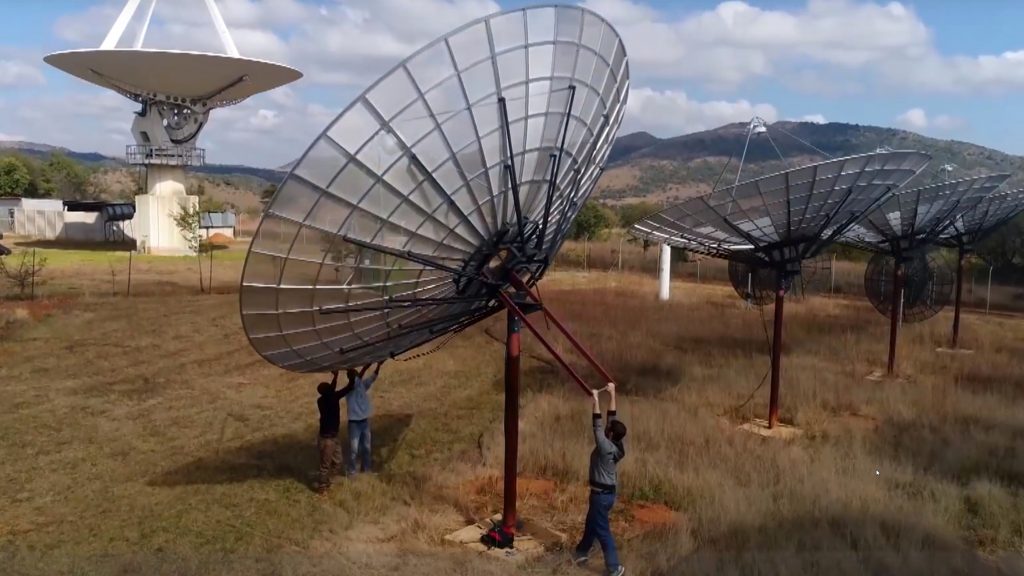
(55,177)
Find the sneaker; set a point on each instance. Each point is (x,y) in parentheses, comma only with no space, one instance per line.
(618,571)
(579,559)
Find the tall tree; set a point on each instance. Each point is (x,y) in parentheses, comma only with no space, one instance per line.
(67,179)
(15,178)
(592,219)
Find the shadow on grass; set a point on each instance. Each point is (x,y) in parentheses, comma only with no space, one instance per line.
(77,246)
(291,456)
(838,544)
(961,450)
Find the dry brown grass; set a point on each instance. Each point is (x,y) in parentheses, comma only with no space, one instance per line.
(143,435)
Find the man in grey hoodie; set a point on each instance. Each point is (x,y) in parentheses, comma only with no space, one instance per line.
(608,451)
(356,393)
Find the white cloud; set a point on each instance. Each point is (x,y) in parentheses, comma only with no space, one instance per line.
(14,73)
(349,42)
(917,119)
(264,120)
(814,47)
(11,137)
(815,118)
(670,113)
(914,119)
(735,41)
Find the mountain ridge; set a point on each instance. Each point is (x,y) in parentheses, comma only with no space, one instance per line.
(645,167)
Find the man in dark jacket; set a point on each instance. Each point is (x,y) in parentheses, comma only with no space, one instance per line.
(608,451)
(329,405)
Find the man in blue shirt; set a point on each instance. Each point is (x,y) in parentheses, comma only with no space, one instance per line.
(359,409)
(604,459)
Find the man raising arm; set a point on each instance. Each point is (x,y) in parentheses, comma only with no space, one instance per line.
(608,451)
(329,406)
(359,411)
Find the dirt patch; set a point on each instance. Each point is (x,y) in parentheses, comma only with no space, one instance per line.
(220,239)
(643,517)
(16,314)
(629,519)
(486,489)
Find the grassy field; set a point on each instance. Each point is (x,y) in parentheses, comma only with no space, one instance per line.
(142,435)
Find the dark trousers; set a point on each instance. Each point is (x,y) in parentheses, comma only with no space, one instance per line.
(359,445)
(330,460)
(598,528)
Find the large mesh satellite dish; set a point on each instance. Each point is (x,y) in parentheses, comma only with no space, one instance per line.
(439,197)
(927,286)
(459,169)
(778,221)
(904,226)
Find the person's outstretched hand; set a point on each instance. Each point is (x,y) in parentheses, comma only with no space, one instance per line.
(610,388)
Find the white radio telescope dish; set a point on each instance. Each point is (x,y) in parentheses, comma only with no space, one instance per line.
(176,91)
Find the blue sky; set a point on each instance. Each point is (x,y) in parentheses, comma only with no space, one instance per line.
(946,68)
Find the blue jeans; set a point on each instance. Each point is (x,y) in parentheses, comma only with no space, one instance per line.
(598,528)
(358,445)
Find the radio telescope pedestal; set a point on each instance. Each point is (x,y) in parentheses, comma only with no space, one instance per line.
(176,91)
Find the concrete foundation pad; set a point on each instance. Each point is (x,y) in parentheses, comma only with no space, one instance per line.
(881,376)
(781,431)
(531,541)
(944,350)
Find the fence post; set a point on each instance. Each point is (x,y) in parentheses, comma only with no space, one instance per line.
(988,295)
(586,252)
(832,277)
(32,294)
(620,253)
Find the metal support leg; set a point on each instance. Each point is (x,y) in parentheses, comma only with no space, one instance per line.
(773,399)
(895,311)
(959,293)
(512,348)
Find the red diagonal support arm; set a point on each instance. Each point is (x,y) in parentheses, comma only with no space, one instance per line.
(511,305)
(518,283)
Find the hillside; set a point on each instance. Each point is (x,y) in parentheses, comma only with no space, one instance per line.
(641,166)
(644,167)
(236,186)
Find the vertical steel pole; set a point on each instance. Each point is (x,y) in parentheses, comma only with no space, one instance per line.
(988,295)
(773,400)
(620,254)
(959,295)
(512,343)
(129,293)
(896,309)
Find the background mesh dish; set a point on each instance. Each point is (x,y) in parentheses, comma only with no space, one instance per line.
(784,217)
(757,284)
(928,285)
(992,212)
(404,199)
(921,214)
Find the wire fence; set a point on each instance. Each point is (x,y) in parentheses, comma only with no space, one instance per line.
(985,288)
